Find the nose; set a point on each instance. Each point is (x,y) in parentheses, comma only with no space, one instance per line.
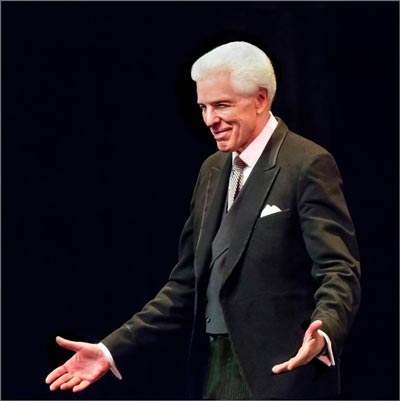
(210,117)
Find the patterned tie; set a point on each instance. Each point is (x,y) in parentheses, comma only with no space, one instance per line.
(236,180)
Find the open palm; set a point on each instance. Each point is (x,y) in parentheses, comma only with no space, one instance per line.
(87,365)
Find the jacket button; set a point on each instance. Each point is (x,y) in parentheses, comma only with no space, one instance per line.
(208,320)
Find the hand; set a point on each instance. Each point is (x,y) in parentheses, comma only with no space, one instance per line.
(313,344)
(86,366)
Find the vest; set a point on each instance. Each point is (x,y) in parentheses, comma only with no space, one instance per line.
(215,321)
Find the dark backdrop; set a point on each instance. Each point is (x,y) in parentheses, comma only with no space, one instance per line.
(101,145)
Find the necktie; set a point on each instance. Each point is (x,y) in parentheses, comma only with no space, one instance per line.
(236,180)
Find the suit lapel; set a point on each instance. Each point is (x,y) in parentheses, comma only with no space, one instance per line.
(248,205)
(212,212)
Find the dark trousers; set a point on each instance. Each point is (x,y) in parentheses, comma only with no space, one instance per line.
(224,379)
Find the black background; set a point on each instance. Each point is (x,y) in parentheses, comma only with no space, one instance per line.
(101,144)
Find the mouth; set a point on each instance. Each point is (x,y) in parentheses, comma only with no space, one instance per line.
(219,135)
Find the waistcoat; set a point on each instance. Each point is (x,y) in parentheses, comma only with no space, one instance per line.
(215,321)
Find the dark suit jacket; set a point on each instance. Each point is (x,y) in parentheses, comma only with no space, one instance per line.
(283,270)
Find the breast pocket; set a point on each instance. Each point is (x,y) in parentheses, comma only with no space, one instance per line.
(281,212)
(276,234)
(273,228)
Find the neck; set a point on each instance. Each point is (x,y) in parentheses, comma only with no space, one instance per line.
(262,122)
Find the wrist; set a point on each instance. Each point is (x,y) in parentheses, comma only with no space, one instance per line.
(110,360)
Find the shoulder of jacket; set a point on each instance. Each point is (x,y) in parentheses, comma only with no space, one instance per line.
(298,144)
(299,152)
(303,145)
(216,160)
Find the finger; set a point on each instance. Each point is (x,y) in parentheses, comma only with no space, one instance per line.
(83,384)
(56,373)
(281,367)
(312,329)
(71,383)
(71,345)
(63,379)
(301,358)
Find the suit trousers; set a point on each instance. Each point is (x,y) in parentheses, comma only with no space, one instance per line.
(224,378)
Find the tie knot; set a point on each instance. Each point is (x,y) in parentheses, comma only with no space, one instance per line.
(238,164)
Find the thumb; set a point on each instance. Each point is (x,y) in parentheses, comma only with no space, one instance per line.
(312,329)
(67,344)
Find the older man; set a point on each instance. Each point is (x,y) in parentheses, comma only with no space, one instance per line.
(268,272)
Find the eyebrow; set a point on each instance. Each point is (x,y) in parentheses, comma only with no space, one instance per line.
(216,102)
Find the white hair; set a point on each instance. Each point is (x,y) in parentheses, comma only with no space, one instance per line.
(249,66)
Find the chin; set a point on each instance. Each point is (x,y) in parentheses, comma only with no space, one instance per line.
(224,147)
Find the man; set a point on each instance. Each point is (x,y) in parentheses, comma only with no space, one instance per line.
(268,273)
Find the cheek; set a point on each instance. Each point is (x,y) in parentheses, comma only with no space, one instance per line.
(227,116)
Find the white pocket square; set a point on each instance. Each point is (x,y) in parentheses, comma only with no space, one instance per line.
(270,210)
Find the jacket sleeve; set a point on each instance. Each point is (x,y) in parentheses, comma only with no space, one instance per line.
(330,240)
(170,312)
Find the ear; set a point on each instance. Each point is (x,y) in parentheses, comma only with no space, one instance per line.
(262,100)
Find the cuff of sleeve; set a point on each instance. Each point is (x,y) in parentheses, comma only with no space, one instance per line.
(327,354)
(110,359)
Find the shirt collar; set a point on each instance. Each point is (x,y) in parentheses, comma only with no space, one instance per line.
(253,152)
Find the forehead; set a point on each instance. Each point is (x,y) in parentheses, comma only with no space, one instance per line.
(215,87)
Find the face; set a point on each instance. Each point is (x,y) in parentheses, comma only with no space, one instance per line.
(234,120)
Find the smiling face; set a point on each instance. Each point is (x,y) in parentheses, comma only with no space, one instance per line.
(235,120)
